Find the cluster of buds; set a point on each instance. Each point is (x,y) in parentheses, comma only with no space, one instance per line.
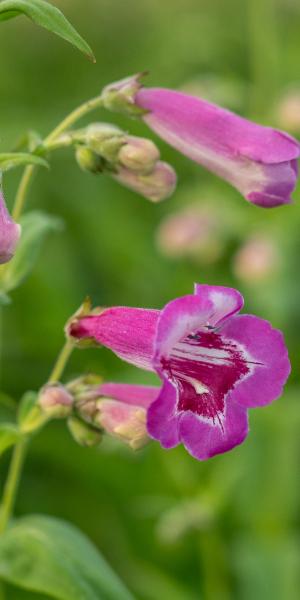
(92,409)
(132,161)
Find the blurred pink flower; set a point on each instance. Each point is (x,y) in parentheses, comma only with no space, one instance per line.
(257,259)
(194,231)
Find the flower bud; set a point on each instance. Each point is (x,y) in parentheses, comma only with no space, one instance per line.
(139,155)
(123,421)
(88,160)
(9,233)
(120,96)
(84,434)
(55,401)
(155,186)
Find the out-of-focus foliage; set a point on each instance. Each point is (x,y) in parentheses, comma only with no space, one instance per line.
(171,527)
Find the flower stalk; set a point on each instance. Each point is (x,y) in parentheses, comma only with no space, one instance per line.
(72,118)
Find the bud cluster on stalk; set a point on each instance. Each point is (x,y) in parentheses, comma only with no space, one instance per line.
(133,161)
(90,414)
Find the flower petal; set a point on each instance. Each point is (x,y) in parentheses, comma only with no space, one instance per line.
(226,301)
(162,423)
(9,232)
(178,319)
(203,439)
(270,365)
(128,332)
(189,123)
(137,395)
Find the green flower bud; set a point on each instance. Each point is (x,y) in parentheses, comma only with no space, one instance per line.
(88,160)
(120,96)
(84,434)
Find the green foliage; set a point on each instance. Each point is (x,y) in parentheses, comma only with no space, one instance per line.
(44,14)
(11,160)
(47,555)
(9,436)
(35,227)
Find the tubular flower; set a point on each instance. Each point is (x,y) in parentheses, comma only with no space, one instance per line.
(259,161)
(214,364)
(9,233)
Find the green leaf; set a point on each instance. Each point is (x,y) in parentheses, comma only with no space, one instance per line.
(35,226)
(47,555)
(9,436)
(48,16)
(11,160)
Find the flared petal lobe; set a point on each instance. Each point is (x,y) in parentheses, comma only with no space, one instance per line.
(259,161)
(268,359)
(225,301)
(9,233)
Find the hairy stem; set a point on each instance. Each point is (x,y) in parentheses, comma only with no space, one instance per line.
(61,361)
(17,461)
(72,118)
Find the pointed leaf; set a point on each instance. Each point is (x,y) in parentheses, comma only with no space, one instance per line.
(35,226)
(47,555)
(10,160)
(48,16)
(9,436)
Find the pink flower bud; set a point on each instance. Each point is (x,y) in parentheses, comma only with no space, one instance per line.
(124,421)
(9,233)
(55,401)
(138,154)
(155,186)
(256,260)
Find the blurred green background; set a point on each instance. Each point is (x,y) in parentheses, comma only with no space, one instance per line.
(173,528)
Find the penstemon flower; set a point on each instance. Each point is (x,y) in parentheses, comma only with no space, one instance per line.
(214,364)
(260,162)
(9,233)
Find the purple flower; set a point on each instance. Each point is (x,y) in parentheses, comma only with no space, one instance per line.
(260,162)
(9,233)
(214,364)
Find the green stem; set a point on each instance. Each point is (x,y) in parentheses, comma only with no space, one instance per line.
(61,362)
(72,118)
(17,461)
(12,482)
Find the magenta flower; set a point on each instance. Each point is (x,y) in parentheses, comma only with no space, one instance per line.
(214,364)
(260,162)
(9,233)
